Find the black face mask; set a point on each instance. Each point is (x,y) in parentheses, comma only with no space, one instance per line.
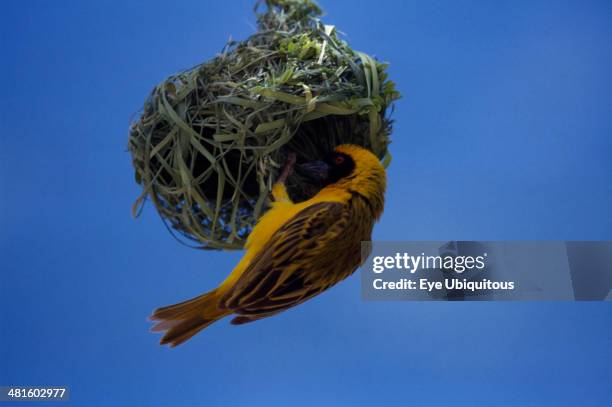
(335,167)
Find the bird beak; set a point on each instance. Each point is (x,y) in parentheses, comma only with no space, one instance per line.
(315,170)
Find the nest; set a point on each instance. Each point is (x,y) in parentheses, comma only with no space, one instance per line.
(211,140)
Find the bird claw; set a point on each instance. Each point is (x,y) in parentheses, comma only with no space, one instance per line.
(287,169)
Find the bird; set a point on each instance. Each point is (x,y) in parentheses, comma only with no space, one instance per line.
(296,250)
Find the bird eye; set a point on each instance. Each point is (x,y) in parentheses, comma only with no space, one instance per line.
(339,160)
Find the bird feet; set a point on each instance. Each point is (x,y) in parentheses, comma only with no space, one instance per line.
(279,191)
(287,169)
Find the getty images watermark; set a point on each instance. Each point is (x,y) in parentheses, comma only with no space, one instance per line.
(469,270)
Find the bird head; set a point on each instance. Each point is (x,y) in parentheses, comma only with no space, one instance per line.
(351,168)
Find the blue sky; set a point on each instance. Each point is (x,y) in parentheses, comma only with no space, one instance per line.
(503,133)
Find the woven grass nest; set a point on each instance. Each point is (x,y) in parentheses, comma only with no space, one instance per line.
(211,140)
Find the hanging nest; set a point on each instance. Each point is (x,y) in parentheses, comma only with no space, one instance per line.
(211,140)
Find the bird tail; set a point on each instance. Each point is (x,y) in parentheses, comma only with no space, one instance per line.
(183,320)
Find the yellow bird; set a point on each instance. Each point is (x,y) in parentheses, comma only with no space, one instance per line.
(296,250)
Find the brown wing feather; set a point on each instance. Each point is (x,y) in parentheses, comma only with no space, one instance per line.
(285,273)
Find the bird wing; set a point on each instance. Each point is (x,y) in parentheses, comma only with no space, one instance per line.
(278,276)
